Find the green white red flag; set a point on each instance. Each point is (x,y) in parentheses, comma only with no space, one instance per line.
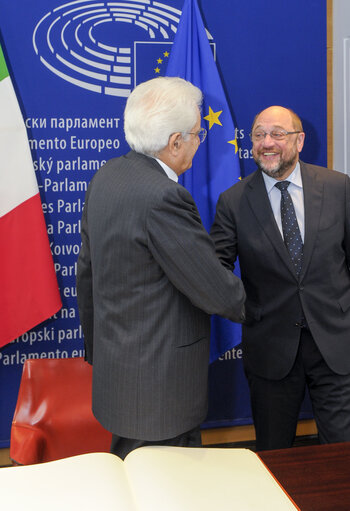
(29,291)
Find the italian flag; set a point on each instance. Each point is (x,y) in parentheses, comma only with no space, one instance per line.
(28,286)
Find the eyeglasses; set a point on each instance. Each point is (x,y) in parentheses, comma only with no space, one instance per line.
(201,134)
(258,136)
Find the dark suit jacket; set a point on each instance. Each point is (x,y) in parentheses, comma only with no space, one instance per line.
(245,227)
(148,278)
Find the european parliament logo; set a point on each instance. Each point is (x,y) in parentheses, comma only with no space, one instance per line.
(106,47)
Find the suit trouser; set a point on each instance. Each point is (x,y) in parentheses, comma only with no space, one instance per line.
(276,403)
(121,446)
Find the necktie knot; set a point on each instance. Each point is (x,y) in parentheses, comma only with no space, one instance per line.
(282,185)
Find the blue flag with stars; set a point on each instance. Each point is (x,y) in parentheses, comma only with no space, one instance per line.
(216,164)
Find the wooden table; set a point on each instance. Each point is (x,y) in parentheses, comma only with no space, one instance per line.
(316,477)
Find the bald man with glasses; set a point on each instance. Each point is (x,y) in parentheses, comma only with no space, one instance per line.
(289,225)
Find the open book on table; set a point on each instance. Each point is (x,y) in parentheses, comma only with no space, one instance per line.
(149,479)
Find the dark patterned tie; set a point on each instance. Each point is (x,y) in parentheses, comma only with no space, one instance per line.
(290,227)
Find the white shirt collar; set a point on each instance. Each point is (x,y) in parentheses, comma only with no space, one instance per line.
(294,177)
(169,172)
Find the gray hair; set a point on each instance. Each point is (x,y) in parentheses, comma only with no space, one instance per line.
(158,108)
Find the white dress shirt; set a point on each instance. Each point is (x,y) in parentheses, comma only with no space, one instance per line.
(169,172)
(295,190)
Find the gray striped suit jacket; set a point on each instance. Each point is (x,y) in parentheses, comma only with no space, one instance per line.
(148,279)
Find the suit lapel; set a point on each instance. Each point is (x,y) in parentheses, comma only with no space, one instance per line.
(313,194)
(261,207)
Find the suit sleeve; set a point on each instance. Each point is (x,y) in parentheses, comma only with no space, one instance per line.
(84,289)
(182,247)
(223,233)
(347,220)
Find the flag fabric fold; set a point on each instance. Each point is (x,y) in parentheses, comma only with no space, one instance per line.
(216,164)
(29,290)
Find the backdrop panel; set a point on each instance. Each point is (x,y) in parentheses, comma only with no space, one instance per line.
(73,65)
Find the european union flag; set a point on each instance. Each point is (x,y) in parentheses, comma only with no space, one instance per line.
(216,164)
(151,59)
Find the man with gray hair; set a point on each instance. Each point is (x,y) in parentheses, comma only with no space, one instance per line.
(148,277)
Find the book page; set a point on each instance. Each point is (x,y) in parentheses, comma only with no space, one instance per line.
(89,482)
(203,479)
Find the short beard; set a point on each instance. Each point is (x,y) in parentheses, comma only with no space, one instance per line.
(278,171)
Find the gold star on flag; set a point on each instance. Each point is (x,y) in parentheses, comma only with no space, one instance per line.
(213,118)
(160,61)
(234,142)
(157,70)
(166,54)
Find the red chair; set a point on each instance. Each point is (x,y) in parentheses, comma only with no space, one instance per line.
(53,417)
